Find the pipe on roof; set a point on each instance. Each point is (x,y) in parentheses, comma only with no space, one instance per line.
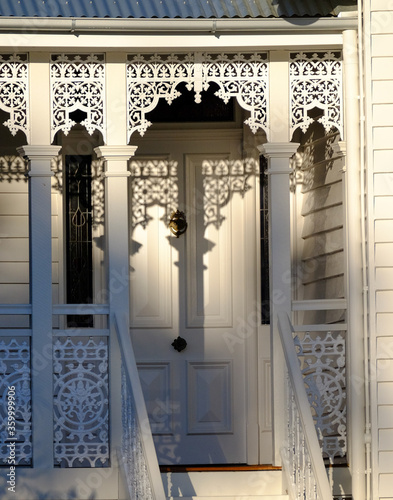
(214,26)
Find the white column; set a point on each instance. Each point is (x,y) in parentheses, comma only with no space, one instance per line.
(41,299)
(356,311)
(279,171)
(278,152)
(117,262)
(116,222)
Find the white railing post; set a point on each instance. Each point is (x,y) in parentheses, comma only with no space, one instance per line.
(40,241)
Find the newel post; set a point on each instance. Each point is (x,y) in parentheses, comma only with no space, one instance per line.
(279,155)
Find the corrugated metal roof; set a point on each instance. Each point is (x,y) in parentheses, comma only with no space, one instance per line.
(174,8)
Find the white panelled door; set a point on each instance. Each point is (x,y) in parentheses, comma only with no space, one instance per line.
(194,287)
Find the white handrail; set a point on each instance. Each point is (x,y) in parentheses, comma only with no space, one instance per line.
(319,304)
(11,309)
(314,452)
(133,383)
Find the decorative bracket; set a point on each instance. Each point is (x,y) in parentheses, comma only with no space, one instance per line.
(316,82)
(78,84)
(14,92)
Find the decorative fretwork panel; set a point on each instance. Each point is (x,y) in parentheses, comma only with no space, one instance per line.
(153,182)
(78,85)
(81,402)
(15,373)
(322,357)
(14,92)
(244,76)
(154,77)
(316,82)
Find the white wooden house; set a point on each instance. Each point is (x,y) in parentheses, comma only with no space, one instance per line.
(196,241)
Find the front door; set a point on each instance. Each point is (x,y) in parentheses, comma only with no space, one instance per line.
(196,290)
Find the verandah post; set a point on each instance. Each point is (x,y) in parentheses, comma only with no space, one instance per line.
(40,242)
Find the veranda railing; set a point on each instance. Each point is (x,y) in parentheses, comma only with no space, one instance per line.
(138,459)
(302,456)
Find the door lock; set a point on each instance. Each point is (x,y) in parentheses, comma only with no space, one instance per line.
(179,344)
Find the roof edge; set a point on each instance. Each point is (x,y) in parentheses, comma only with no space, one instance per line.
(214,26)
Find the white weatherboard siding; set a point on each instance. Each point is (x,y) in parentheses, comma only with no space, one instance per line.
(379,89)
(14,235)
(322,252)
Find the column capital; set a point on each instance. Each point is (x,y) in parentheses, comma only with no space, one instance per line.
(38,152)
(115,153)
(41,156)
(118,154)
(278,149)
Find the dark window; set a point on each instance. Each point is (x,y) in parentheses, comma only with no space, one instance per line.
(79,236)
(264,217)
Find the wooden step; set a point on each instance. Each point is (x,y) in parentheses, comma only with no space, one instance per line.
(258,497)
(225,485)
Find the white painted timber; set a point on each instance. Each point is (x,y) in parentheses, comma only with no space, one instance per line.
(378,85)
(117,241)
(279,155)
(41,294)
(238,484)
(237,497)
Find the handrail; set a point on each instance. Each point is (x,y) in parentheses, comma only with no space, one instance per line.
(134,388)
(319,304)
(317,485)
(15,309)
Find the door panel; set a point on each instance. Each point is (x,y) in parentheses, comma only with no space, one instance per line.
(209,259)
(193,287)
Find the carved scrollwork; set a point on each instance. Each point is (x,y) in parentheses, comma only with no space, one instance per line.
(78,83)
(14,92)
(316,82)
(154,77)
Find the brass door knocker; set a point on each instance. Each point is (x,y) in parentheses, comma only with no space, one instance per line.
(178,224)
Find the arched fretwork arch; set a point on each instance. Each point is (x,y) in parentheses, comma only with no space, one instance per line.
(154,77)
